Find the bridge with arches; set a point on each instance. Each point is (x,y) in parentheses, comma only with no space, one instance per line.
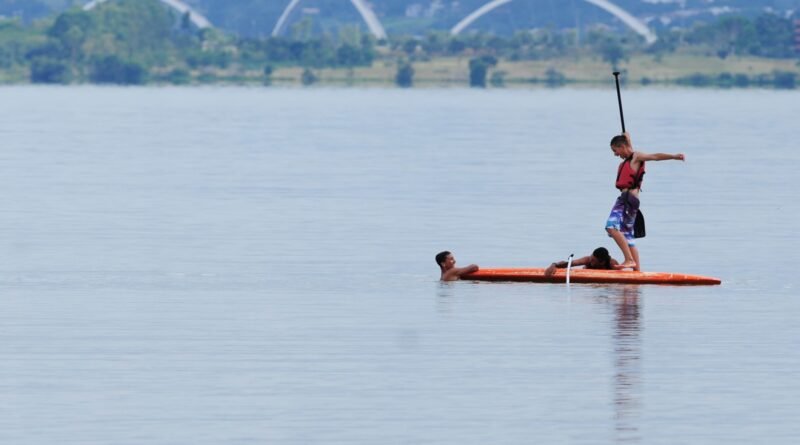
(376,28)
(374,25)
(629,20)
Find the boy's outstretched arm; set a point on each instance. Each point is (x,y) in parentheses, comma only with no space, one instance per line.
(563,264)
(640,156)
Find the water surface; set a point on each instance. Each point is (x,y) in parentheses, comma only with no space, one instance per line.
(245,265)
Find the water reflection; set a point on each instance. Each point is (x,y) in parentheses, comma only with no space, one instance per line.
(627,349)
(445,292)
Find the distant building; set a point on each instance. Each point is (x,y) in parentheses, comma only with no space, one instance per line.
(797,36)
(417,10)
(414,10)
(435,7)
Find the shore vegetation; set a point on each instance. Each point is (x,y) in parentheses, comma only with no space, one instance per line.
(137,42)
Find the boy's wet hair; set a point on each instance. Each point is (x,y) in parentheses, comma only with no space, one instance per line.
(601,253)
(620,140)
(441,257)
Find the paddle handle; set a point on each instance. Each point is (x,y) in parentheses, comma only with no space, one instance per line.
(619,100)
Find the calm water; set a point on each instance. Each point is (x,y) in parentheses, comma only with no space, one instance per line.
(255,266)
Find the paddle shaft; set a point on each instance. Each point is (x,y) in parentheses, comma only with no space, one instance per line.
(619,100)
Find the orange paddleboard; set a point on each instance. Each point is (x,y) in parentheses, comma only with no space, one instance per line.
(536,275)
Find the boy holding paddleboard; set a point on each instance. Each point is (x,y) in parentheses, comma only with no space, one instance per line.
(447,264)
(599,259)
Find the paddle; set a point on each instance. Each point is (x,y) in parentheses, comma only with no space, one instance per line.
(619,99)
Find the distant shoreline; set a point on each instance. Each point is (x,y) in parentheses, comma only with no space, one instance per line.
(683,70)
(640,70)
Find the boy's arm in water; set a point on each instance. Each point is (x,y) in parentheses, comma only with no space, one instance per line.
(563,264)
(456,272)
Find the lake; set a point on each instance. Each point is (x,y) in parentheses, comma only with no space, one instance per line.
(256,265)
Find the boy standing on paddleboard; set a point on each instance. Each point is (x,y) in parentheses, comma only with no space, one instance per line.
(447,263)
(621,221)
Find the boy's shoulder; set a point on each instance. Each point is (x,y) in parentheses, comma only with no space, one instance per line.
(450,275)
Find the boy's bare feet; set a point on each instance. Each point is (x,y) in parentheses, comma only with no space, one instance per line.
(626,265)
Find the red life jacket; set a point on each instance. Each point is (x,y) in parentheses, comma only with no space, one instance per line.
(627,178)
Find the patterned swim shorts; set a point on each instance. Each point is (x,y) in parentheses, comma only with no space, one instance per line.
(623,216)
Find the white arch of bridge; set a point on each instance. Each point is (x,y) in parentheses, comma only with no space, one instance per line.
(198,19)
(374,25)
(632,22)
